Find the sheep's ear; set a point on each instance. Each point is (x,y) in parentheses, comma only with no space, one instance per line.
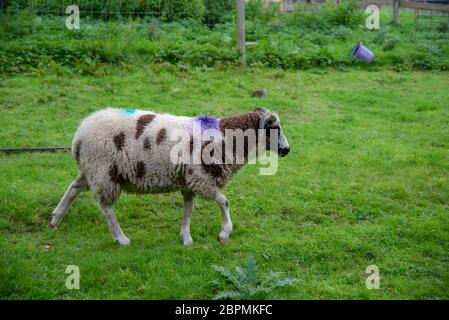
(268,119)
(261,110)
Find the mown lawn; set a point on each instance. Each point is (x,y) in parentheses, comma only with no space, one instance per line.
(366,183)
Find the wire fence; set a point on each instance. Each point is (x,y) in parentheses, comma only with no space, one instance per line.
(89,8)
(209,12)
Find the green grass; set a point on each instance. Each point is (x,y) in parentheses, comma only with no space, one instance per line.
(366,182)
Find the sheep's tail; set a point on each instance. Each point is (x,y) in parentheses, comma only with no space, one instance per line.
(76,149)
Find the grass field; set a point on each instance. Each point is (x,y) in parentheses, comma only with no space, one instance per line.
(366,183)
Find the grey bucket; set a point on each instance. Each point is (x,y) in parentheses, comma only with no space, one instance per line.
(362,53)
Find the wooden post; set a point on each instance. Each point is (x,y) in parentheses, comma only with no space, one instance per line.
(309,6)
(266,4)
(241,31)
(395,11)
(284,6)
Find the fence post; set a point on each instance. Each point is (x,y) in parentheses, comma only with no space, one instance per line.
(309,6)
(284,6)
(241,31)
(395,11)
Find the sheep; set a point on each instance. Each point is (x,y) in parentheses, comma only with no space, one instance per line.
(131,150)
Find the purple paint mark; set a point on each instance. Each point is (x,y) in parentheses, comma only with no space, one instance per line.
(207,122)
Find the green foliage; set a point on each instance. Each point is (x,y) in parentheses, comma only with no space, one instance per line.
(218,11)
(254,10)
(326,17)
(257,12)
(167,10)
(175,10)
(390,43)
(246,283)
(297,40)
(16,25)
(346,13)
(443,27)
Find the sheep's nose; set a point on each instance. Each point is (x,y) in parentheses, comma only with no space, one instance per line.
(284,151)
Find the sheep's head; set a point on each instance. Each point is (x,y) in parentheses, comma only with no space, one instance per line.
(270,120)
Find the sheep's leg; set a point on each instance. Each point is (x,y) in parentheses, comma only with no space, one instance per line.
(114,227)
(226,225)
(74,189)
(185,228)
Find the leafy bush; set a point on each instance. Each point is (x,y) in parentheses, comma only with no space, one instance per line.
(218,11)
(390,43)
(254,10)
(247,283)
(347,13)
(175,10)
(296,40)
(15,26)
(342,33)
(167,10)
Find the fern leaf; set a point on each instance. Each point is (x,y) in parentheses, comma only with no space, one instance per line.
(251,271)
(227,295)
(226,274)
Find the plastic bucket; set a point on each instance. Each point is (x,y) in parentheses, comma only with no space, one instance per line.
(362,53)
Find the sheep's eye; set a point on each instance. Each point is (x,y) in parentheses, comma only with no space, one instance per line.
(275,128)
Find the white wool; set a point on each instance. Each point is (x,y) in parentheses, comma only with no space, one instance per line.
(98,152)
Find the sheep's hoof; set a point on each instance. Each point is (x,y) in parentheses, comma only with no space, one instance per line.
(55,223)
(123,241)
(222,238)
(187,240)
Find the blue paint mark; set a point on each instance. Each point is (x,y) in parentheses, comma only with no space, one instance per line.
(128,111)
(207,122)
